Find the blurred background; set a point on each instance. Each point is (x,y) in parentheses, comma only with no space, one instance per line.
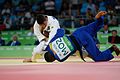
(17,18)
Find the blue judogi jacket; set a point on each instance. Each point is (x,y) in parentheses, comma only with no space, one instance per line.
(61,47)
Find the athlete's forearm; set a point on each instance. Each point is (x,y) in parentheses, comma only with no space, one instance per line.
(52,34)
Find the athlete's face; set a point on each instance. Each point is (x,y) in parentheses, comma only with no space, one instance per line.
(44,24)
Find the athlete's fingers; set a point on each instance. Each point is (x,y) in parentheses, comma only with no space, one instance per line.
(27,60)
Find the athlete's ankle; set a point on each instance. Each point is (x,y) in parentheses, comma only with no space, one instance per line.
(115,48)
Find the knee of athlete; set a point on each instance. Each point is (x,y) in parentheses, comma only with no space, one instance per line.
(99,60)
(96,60)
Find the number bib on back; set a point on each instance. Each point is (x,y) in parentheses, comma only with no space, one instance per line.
(61,47)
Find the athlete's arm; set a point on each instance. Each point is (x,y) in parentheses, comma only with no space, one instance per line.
(53,27)
(37,32)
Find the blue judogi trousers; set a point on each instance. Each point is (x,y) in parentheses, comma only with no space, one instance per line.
(84,37)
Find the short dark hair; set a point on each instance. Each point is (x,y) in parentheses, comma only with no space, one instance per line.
(49,57)
(40,18)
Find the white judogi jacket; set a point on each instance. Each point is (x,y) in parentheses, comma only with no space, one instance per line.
(51,27)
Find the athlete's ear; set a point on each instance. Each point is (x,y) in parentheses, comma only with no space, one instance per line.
(48,57)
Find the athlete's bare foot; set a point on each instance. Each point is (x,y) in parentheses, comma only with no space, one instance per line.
(116,49)
(101,13)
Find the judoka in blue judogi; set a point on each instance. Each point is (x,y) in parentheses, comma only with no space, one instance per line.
(61,46)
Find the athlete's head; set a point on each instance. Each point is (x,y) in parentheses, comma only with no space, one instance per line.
(48,57)
(42,20)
